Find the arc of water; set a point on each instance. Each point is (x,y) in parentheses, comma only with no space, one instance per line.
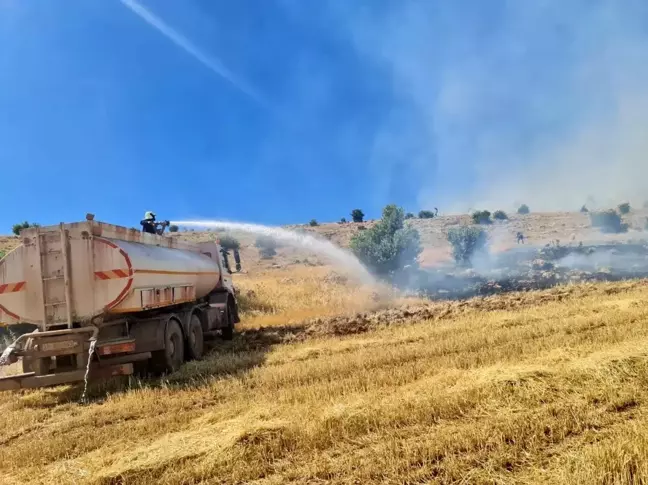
(338,256)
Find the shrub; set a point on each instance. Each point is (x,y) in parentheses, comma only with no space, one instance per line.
(553,251)
(173,228)
(608,221)
(624,208)
(229,242)
(313,223)
(409,215)
(389,246)
(584,209)
(481,217)
(426,214)
(343,220)
(267,246)
(523,209)
(16,228)
(500,216)
(466,241)
(357,215)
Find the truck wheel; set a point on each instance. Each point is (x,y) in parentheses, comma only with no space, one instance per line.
(171,357)
(195,339)
(227,332)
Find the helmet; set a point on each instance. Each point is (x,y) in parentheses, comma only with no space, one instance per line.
(149,215)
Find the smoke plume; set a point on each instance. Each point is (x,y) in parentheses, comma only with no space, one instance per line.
(507,102)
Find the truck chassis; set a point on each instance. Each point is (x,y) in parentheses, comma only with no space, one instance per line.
(156,342)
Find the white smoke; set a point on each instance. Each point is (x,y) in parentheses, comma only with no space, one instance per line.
(543,103)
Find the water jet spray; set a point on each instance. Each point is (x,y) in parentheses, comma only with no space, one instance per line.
(338,256)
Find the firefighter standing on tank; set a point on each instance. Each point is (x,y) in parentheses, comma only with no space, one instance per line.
(150,225)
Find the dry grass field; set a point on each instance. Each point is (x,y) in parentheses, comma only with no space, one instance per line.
(326,383)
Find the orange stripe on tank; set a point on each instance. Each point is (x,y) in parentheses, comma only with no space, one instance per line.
(12,287)
(160,271)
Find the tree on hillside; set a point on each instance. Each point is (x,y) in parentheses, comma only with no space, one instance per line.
(357,215)
(173,228)
(389,246)
(425,214)
(481,217)
(267,246)
(313,223)
(409,215)
(608,221)
(229,242)
(466,241)
(624,208)
(25,225)
(523,209)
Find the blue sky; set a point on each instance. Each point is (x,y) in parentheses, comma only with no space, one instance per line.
(325,106)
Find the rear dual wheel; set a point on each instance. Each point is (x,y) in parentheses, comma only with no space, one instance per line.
(170,358)
(195,338)
(177,349)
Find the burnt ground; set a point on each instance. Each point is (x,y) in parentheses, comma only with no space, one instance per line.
(534,268)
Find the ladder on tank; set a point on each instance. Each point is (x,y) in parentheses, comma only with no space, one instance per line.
(54,250)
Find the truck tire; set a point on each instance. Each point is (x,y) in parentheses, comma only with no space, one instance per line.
(195,338)
(227,332)
(170,358)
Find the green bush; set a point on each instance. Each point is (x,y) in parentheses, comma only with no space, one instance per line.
(624,208)
(523,209)
(466,241)
(409,215)
(229,242)
(16,228)
(389,246)
(173,228)
(357,215)
(313,223)
(608,221)
(481,217)
(426,214)
(343,220)
(267,246)
(500,216)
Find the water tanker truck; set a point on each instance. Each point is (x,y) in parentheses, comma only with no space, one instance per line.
(112,301)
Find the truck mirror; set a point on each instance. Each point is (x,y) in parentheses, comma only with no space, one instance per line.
(237,260)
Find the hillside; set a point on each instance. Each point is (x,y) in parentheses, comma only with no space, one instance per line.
(546,387)
(538,229)
(330,382)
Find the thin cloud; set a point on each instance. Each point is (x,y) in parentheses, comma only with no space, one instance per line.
(178,39)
